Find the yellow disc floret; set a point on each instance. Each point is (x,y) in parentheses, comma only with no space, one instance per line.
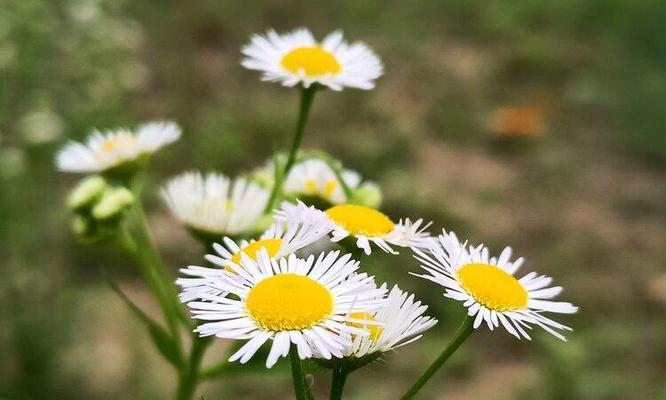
(314,60)
(272,247)
(493,287)
(112,143)
(375,330)
(359,220)
(289,302)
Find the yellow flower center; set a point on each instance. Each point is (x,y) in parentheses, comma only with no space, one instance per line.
(289,302)
(493,287)
(314,60)
(359,220)
(311,188)
(113,142)
(375,330)
(272,246)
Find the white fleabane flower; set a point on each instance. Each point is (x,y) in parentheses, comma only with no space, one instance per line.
(109,149)
(487,287)
(316,178)
(304,302)
(398,323)
(297,58)
(283,238)
(368,225)
(214,204)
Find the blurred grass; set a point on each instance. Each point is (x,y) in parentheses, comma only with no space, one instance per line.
(584,200)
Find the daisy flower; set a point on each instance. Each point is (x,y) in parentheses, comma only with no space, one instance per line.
(106,150)
(368,225)
(398,323)
(487,287)
(315,178)
(213,204)
(306,302)
(297,58)
(280,240)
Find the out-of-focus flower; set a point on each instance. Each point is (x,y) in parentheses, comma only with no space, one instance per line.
(12,161)
(42,126)
(487,287)
(214,204)
(290,300)
(106,150)
(297,58)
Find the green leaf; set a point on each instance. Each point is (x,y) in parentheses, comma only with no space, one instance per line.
(162,340)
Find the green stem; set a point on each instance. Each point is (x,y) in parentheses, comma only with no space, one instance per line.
(297,374)
(338,379)
(465,329)
(307,96)
(188,376)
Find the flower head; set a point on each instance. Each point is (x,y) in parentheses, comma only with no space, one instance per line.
(399,322)
(280,240)
(106,150)
(306,302)
(487,287)
(297,58)
(214,204)
(368,225)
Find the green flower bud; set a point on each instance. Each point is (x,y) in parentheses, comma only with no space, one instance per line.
(81,226)
(113,203)
(368,194)
(86,193)
(263,223)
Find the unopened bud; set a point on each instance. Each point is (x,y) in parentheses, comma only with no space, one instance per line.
(368,194)
(113,203)
(86,193)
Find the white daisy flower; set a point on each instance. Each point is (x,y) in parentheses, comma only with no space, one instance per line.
(297,58)
(398,323)
(214,204)
(106,150)
(282,239)
(315,178)
(289,300)
(368,225)
(487,287)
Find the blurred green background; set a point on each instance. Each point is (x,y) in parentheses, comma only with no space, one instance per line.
(535,124)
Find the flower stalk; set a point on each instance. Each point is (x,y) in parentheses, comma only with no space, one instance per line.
(307,96)
(300,386)
(464,331)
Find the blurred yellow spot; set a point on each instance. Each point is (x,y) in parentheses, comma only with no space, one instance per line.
(518,121)
(272,247)
(289,302)
(311,188)
(493,287)
(314,60)
(375,330)
(111,143)
(359,220)
(229,205)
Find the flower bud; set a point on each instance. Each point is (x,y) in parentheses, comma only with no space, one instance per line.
(113,203)
(368,194)
(86,193)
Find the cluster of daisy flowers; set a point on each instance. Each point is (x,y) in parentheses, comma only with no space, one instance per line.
(275,277)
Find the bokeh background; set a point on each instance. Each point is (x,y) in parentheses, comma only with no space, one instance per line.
(535,124)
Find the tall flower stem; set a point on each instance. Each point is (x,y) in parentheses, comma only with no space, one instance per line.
(464,331)
(300,387)
(307,96)
(339,377)
(188,376)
